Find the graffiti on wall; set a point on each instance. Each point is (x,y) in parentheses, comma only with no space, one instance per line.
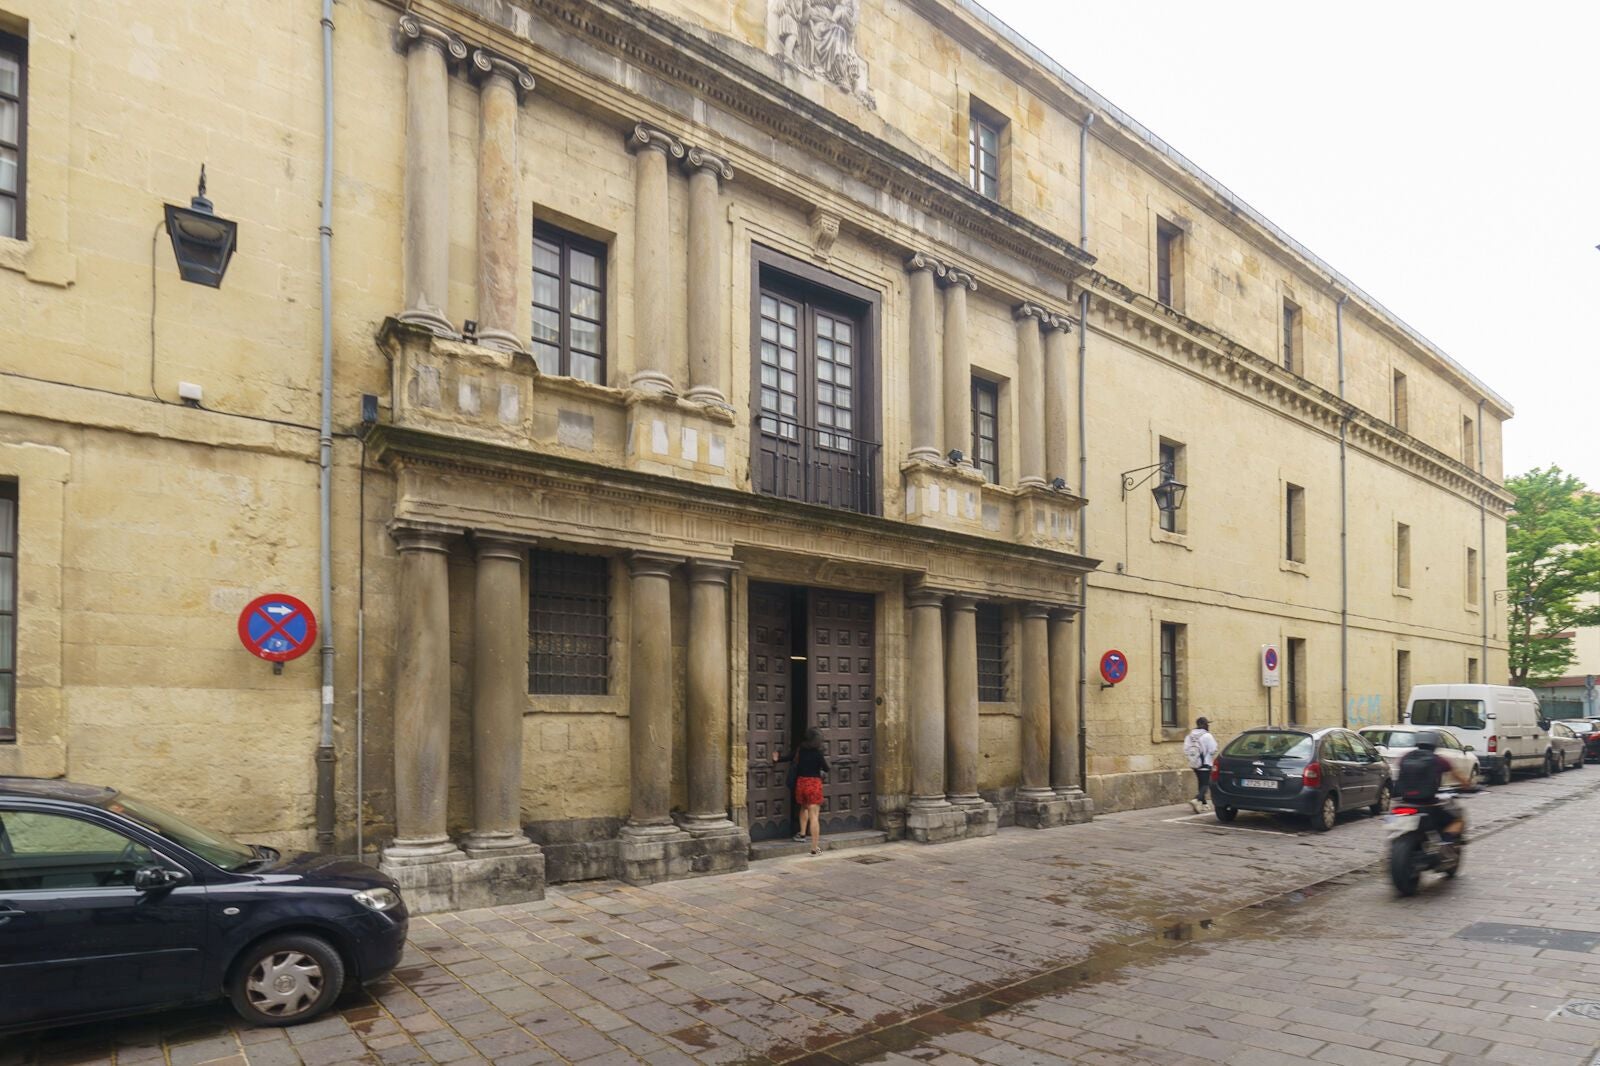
(1365,710)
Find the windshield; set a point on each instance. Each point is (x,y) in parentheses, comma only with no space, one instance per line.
(214,847)
(1390,738)
(1270,746)
(1457,714)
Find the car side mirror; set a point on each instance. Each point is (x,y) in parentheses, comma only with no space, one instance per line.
(1469,747)
(155,878)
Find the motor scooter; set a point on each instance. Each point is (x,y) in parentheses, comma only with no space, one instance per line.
(1415,844)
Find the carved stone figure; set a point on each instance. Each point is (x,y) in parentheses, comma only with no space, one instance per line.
(819,38)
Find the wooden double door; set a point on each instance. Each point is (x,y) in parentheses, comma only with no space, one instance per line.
(811,664)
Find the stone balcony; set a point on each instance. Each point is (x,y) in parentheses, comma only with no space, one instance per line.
(957,498)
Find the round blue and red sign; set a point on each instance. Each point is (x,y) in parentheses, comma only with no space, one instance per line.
(1270,657)
(277,627)
(1113,666)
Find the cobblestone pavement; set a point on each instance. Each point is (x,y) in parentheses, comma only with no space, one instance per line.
(798,955)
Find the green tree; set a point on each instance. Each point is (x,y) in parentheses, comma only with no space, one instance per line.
(1552,558)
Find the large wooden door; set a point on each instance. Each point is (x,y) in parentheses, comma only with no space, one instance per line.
(768,722)
(840,674)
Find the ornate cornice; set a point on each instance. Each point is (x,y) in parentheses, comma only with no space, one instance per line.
(647,137)
(698,158)
(413,31)
(486,65)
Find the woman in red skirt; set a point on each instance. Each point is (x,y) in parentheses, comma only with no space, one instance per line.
(810,765)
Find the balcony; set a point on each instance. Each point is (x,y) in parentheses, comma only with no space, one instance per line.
(815,464)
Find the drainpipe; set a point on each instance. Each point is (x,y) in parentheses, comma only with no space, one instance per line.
(1483,558)
(1083,457)
(325,757)
(1344,525)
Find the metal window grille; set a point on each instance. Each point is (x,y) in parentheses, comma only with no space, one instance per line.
(569,305)
(8,610)
(1169,674)
(569,624)
(991,653)
(983,155)
(986,429)
(13,135)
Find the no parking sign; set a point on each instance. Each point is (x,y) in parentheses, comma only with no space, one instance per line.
(1269,665)
(277,627)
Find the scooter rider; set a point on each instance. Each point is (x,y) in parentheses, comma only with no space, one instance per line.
(1422,771)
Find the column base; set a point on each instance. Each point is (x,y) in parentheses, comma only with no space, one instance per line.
(430,320)
(500,340)
(1078,800)
(648,854)
(708,396)
(486,845)
(1045,809)
(453,881)
(652,381)
(939,822)
(708,825)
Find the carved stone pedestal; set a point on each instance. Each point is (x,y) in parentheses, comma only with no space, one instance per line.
(457,881)
(937,824)
(1047,809)
(1080,808)
(648,854)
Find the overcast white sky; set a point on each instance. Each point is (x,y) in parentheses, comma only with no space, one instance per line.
(1444,157)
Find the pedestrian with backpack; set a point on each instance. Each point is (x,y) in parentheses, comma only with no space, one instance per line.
(1200,748)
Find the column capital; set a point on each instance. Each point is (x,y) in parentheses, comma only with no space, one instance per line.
(645,137)
(698,158)
(954,277)
(414,31)
(422,538)
(1065,612)
(1034,610)
(1028,310)
(925,597)
(923,261)
(652,564)
(712,571)
(1054,323)
(493,546)
(961,601)
(487,66)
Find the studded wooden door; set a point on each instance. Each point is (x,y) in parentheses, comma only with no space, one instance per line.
(841,690)
(768,722)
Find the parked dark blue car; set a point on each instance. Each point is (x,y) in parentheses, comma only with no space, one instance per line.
(1316,774)
(110,905)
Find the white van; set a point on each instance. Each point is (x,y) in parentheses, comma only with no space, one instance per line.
(1504,725)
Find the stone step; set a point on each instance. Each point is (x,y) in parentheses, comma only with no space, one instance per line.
(777,849)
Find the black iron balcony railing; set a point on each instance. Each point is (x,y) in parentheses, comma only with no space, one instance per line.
(815,464)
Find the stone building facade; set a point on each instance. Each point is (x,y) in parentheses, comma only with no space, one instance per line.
(701,372)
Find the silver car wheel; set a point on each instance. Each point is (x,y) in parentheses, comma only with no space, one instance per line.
(284,984)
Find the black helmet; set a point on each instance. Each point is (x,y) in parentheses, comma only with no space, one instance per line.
(1427,740)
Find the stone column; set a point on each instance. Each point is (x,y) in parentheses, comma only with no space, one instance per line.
(652,270)
(1063,703)
(1030,395)
(1058,385)
(707,368)
(708,698)
(1034,667)
(422,701)
(499,694)
(961,701)
(501,87)
(926,690)
(957,364)
(426,241)
(926,382)
(650,693)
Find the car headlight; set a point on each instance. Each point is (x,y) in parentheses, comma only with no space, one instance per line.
(378,899)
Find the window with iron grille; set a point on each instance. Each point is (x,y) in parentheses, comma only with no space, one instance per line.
(1171,695)
(983,150)
(986,429)
(569,305)
(13,135)
(8,610)
(569,624)
(991,653)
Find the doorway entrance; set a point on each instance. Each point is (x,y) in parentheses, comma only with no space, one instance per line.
(811,664)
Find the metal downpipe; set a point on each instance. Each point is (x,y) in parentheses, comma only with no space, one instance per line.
(1344,526)
(1483,559)
(325,754)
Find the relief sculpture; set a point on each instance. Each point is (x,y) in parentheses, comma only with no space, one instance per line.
(819,38)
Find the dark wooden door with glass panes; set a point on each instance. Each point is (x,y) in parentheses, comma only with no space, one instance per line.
(768,721)
(840,688)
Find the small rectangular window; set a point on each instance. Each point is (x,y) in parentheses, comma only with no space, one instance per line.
(1171,455)
(569,624)
(1472,671)
(1294,540)
(1294,692)
(1402,555)
(991,653)
(1402,678)
(1169,261)
(8,610)
(1469,442)
(984,128)
(986,429)
(1291,342)
(569,305)
(1473,579)
(1171,674)
(13,136)
(1401,411)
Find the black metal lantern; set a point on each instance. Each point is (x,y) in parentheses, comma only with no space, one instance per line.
(1169,494)
(1168,491)
(202,241)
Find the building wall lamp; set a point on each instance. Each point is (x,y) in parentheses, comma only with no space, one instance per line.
(203,242)
(1168,492)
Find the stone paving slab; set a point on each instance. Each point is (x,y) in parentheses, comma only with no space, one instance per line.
(799,954)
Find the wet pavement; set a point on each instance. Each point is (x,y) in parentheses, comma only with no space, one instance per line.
(1128,939)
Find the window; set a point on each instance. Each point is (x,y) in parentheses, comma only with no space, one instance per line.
(1402,682)
(984,127)
(1452,714)
(1472,576)
(1169,263)
(53,852)
(1172,457)
(569,281)
(991,653)
(569,624)
(1472,671)
(1401,411)
(986,429)
(8,610)
(13,135)
(1469,442)
(1294,692)
(1171,678)
(1294,538)
(1291,340)
(1402,555)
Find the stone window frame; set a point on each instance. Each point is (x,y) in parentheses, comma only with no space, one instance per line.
(1399,401)
(1474,566)
(566,242)
(1469,442)
(1401,575)
(1170,665)
(981,118)
(986,387)
(993,647)
(10,527)
(17,48)
(596,611)
(1294,359)
(1292,557)
(1171,527)
(1402,675)
(1295,688)
(1169,238)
